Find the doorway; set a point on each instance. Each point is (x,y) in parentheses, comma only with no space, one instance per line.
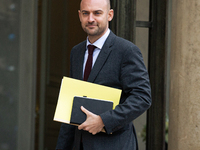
(59,30)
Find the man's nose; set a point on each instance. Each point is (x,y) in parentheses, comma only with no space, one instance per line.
(91,18)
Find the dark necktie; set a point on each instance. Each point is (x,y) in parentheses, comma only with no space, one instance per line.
(88,65)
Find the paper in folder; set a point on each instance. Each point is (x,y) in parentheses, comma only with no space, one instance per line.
(71,88)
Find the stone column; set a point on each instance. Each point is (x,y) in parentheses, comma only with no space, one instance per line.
(184,111)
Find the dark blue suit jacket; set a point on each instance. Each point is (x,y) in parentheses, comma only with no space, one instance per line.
(119,65)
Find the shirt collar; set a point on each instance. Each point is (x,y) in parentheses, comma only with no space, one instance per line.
(100,42)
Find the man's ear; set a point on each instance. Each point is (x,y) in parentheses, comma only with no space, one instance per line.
(79,14)
(110,14)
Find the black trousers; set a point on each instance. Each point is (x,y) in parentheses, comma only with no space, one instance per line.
(81,146)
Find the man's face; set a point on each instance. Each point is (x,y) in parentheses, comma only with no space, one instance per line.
(94,16)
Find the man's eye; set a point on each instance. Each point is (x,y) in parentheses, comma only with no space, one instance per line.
(97,13)
(85,13)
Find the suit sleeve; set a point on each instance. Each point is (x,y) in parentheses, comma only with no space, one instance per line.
(136,92)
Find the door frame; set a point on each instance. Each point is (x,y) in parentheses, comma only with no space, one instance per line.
(27,74)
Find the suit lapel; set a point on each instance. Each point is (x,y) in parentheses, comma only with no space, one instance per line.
(79,63)
(103,56)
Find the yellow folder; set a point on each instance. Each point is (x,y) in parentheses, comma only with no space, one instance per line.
(73,87)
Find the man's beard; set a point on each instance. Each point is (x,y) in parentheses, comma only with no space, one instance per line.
(94,32)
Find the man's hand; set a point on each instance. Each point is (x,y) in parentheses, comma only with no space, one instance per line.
(93,122)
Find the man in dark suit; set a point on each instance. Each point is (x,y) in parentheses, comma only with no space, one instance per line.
(116,63)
